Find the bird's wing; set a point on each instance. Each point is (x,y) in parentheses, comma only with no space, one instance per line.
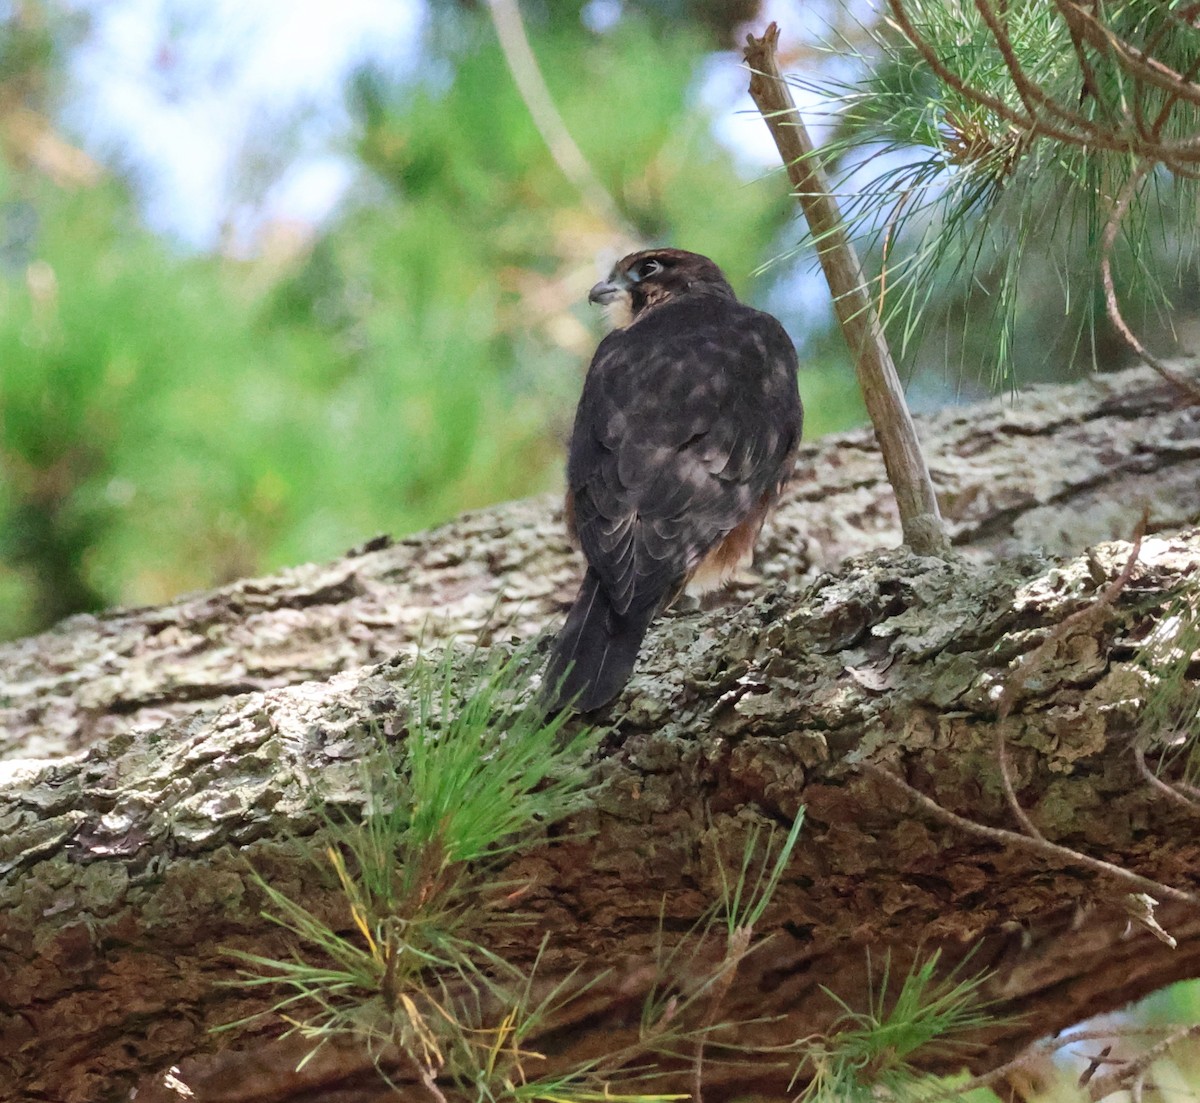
(687,419)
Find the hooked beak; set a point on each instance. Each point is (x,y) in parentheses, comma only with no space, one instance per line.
(604,292)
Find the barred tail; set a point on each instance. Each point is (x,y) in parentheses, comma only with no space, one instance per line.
(595,651)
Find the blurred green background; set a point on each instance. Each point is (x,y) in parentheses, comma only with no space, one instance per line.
(198,383)
(175,414)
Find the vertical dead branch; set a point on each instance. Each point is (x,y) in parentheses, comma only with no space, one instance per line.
(882,392)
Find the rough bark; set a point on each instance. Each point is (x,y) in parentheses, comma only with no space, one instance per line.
(152,752)
(1053,470)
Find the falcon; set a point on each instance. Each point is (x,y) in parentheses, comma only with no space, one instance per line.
(684,438)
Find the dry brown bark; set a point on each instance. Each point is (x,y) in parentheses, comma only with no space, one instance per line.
(150,753)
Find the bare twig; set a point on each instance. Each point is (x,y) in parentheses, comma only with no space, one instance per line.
(1038,846)
(1116,215)
(884,397)
(1035,1052)
(1091,86)
(1094,1065)
(1010,794)
(1037,659)
(522,64)
(1171,100)
(1155,782)
(1086,616)
(1136,1067)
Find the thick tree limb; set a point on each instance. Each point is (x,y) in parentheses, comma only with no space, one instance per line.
(122,866)
(1056,470)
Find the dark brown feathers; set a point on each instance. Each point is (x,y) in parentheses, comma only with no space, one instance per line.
(684,437)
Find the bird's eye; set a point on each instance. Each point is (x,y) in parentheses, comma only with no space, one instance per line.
(649,268)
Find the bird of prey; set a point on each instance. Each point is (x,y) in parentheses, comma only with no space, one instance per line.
(684,438)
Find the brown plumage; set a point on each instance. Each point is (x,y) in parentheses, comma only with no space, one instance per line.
(685,435)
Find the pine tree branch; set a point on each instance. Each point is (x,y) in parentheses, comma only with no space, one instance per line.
(1130,1072)
(920,517)
(1035,843)
(1113,306)
(1068,125)
(122,868)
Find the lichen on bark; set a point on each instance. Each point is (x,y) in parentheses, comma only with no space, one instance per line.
(153,753)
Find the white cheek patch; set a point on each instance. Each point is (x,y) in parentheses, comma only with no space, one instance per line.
(619,310)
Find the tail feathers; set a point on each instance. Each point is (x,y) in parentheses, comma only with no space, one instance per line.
(595,651)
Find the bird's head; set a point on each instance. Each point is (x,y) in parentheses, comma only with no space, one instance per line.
(642,281)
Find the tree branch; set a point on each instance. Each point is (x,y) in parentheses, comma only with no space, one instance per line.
(1120,206)
(1036,842)
(1062,467)
(1125,1075)
(123,870)
(920,516)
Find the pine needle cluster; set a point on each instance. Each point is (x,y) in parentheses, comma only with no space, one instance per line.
(404,970)
(992,147)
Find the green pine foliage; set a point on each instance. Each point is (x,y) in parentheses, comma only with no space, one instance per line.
(480,773)
(406,970)
(989,232)
(869,1052)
